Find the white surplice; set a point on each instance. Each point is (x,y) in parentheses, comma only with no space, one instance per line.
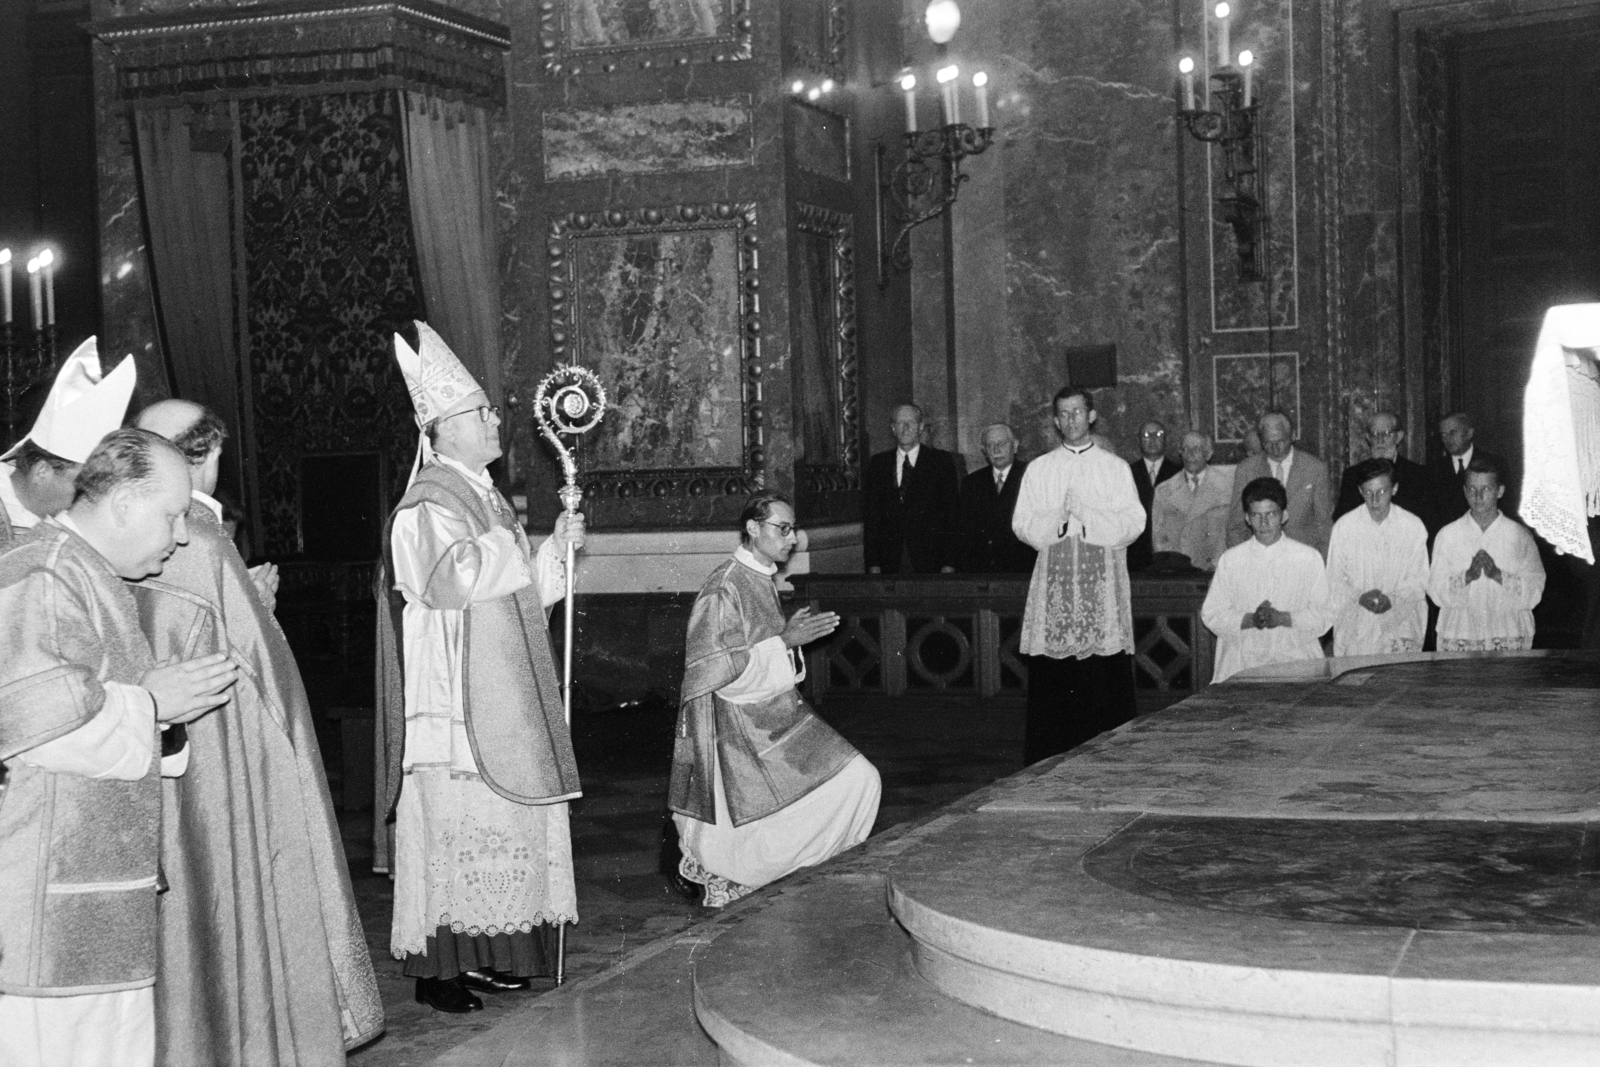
(466,858)
(1289,574)
(1391,556)
(836,815)
(1079,600)
(1484,614)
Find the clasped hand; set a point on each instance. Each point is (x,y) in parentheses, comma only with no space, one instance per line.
(1375,601)
(185,691)
(804,627)
(1266,617)
(1484,566)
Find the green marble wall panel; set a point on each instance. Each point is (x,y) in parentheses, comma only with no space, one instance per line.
(653,138)
(820,141)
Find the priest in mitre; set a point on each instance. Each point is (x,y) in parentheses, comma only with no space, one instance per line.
(262,960)
(36,474)
(760,786)
(475,758)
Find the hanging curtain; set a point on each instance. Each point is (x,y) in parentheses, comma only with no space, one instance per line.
(453,220)
(183,181)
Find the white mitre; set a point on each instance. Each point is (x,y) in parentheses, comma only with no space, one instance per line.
(82,406)
(436,378)
(1561,430)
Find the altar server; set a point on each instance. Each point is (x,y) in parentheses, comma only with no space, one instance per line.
(1269,600)
(80,697)
(760,786)
(262,959)
(475,758)
(1378,569)
(1078,507)
(36,474)
(1486,576)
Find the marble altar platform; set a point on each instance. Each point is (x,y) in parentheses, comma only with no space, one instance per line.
(1383,862)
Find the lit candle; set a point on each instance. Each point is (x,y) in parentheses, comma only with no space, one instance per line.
(35,293)
(952,104)
(5,285)
(980,85)
(1186,68)
(1224,52)
(908,85)
(1247,60)
(47,263)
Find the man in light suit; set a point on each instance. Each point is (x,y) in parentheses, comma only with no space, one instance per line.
(910,499)
(1309,517)
(1191,511)
(988,497)
(1152,468)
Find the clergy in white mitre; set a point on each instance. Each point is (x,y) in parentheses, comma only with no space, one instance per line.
(1486,576)
(760,785)
(81,696)
(1079,508)
(1268,602)
(474,754)
(36,474)
(1378,569)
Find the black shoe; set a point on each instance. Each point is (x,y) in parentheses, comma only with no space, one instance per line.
(693,892)
(491,981)
(447,994)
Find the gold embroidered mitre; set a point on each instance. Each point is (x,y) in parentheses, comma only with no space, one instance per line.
(435,377)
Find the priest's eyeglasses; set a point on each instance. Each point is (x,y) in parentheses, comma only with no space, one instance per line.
(484,412)
(784,528)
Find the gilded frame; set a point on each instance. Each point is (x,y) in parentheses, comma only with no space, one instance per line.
(838,229)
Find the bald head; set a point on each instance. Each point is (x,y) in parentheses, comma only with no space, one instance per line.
(196,431)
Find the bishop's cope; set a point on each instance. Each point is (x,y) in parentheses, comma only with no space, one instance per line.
(474,755)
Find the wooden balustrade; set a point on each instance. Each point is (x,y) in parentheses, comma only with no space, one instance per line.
(954,637)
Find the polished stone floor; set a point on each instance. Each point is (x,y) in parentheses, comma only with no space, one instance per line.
(927,759)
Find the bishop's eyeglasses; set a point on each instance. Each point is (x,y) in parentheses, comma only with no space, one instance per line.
(483,411)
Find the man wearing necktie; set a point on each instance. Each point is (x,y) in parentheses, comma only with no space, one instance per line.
(1190,512)
(1446,471)
(910,499)
(1149,471)
(988,497)
(1309,516)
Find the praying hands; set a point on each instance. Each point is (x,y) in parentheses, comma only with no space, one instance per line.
(1375,601)
(1266,617)
(1484,566)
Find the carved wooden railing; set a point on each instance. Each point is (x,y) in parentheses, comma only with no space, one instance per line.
(954,637)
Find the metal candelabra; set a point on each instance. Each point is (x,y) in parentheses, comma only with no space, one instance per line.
(28,356)
(924,184)
(569,402)
(1233,126)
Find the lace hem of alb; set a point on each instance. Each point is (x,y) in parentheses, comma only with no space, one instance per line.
(524,927)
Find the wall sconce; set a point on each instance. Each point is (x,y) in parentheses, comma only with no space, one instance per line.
(926,182)
(1234,127)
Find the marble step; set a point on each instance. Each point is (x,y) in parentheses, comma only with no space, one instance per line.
(825,977)
(1006,918)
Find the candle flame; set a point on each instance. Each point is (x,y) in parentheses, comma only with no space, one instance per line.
(827,85)
(909,82)
(1223,10)
(1186,65)
(980,78)
(950,73)
(798,87)
(813,93)
(46,258)
(5,255)
(1246,58)
(33,266)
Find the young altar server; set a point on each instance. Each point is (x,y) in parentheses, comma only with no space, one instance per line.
(1269,600)
(80,825)
(1378,569)
(475,758)
(760,786)
(262,960)
(36,474)
(1486,576)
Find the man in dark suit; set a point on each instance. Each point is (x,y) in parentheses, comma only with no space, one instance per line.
(1309,517)
(988,496)
(910,501)
(1149,470)
(1412,490)
(1447,469)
